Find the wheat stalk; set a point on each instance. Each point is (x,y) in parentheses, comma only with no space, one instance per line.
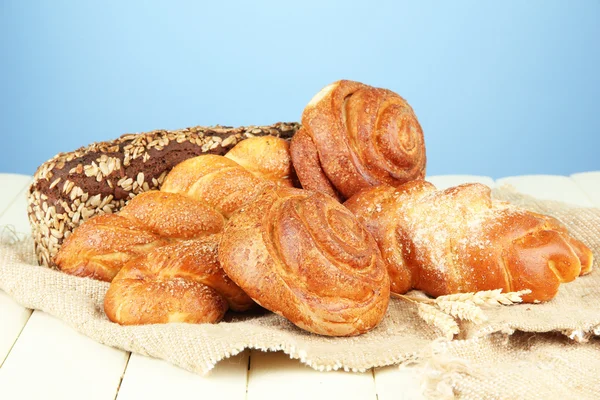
(486,297)
(464,311)
(443,311)
(439,319)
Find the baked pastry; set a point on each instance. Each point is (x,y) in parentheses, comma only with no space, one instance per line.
(460,240)
(267,157)
(304,256)
(216,181)
(179,282)
(355,136)
(100,247)
(100,178)
(226,184)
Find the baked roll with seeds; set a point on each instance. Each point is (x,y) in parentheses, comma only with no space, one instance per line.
(355,136)
(304,256)
(460,240)
(101,178)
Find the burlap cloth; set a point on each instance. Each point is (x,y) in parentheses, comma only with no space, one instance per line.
(486,361)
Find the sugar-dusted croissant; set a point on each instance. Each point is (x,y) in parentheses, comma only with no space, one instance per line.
(303,255)
(355,136)
(460,240)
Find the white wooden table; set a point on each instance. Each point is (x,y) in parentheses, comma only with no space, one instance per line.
(41,357)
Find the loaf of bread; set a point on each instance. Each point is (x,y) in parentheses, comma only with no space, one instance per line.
(355,136)
(460,240)
(304,256)
(101,178)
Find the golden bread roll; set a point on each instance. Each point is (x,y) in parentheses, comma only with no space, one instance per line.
(460,240)
(159,240)
(179,282)
(215,180)
(100,247)
(160,250)
(304,256)
(355,136)
(266,157)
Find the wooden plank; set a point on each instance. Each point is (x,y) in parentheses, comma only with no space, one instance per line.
(15,214)
(548,187)
(12,185)
(63,363)
(273,375)
(149,378)
(398,383)
(52,361)
(14,316)
(589,182)
(446,181)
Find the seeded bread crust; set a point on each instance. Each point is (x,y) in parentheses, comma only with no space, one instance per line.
(102,177)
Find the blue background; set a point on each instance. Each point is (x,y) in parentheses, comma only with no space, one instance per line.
(500,88)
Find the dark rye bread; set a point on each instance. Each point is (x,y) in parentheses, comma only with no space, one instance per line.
(102,177)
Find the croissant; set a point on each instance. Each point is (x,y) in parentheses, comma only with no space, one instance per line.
(355,136)
(304,256)
(460,240)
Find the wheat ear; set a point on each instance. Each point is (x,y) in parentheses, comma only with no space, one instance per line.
(486,297)
(443,311)
(462,310)
(439,319)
